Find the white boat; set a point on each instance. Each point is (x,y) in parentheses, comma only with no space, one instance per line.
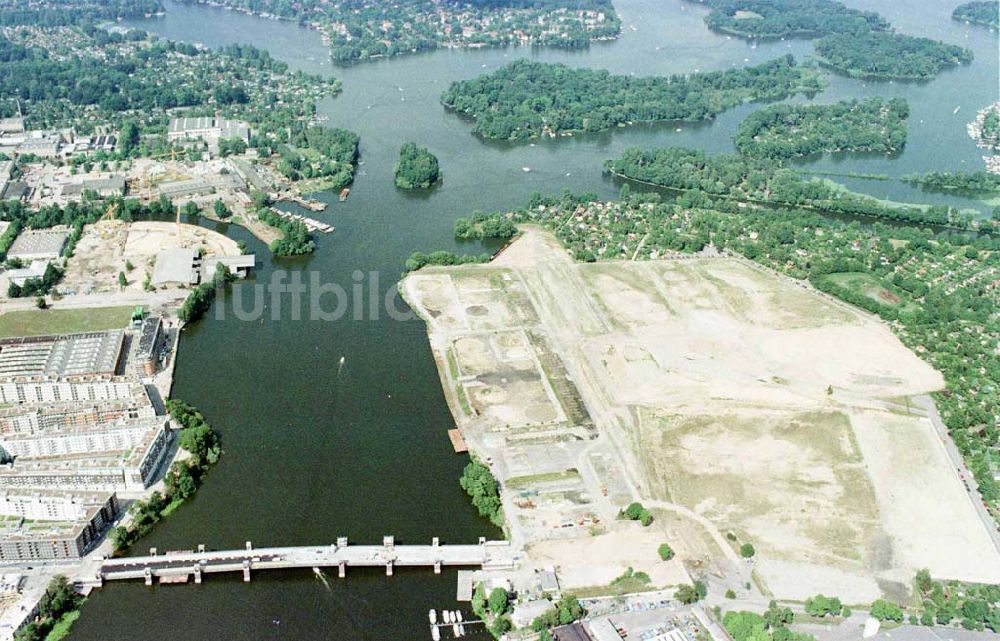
(433,616)
(447,616)
(458,615)
(956,110)
(436,633)
(454,629)
(461,630)
(526,169)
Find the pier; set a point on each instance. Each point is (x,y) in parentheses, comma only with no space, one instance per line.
(311,223)
(169,567)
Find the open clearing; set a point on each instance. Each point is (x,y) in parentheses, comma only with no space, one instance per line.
(42,322)
(732,400)
(108,247)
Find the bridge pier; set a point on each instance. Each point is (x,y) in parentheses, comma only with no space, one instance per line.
(201,548)
(388,568)
(197,573)
(437,567)
(148,576)
(341,542)
(246,570)
(249,547)
(342,569)
(388,542)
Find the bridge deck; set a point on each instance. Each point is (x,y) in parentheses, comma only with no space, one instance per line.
(492,554)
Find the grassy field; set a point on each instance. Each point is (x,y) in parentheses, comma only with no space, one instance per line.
(40,322)
(869,286)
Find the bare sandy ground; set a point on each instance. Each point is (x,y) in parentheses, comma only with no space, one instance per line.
(147,238)
(109,247)
(598,560)
(756,405)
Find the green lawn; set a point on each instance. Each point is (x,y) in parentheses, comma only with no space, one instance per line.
(869,286)
(61,629)
(39,322)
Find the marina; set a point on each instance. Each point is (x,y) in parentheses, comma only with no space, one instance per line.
(311,223)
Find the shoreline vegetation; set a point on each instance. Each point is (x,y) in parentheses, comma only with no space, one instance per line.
(372,30)
(202,449)
(58,609)
(526,100)
(478,482)
(739,179)
(984,13)
(859,44)
(975,183)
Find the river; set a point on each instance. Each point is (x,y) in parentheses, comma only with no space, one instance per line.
(315,449)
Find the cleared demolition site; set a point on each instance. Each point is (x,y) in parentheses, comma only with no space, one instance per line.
(736,405)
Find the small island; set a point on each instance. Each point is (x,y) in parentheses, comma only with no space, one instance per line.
(417,167)
(985,13)
(888,56)
(789,18)
(785,131)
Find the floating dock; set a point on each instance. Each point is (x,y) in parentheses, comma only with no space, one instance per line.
(311,223)
(458,441)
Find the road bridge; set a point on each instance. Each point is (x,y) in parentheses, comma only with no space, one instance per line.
(179,566)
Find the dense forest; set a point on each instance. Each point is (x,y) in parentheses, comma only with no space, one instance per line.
(854,43)
(789,18)
(784,131)
(759,180)
(54,13)
(883,55)
(986,13)
(529,99)
(971,182)
(320,152)
(417,167)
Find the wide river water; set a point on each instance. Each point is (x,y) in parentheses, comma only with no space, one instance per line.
(316,448)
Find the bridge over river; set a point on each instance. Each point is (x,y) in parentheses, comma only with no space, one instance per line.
(180,566)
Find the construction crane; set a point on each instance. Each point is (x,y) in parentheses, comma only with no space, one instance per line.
(112,210)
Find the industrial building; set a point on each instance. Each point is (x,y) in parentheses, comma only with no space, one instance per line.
(41,540)
(6,168)
(188,188)
(148,346)
(207,128)
(113,185)
(238,266)
(93,353)
(21,275)
(38,244)
(176,267)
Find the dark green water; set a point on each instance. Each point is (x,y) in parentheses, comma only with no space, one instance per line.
(313,453)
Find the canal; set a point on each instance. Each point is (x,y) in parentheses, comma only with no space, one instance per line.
(337,428)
